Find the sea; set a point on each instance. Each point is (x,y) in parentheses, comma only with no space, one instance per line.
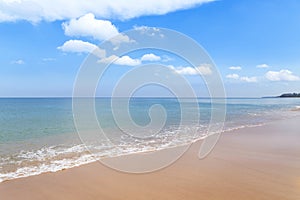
(39,135)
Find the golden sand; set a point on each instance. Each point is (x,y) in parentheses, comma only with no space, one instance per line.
(261,163)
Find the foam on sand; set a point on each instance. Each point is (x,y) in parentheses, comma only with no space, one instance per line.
(297,108)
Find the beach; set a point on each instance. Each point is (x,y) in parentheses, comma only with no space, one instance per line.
(149,100)
(251,163)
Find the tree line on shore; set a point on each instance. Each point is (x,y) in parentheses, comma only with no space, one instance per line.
(290,95)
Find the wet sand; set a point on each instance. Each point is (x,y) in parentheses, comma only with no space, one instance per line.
(252,163)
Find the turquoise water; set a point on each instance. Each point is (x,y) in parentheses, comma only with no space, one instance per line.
(39,135)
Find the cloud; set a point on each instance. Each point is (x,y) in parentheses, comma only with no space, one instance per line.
(235,68)
(37,10)
(124,60)
(88,26)
(108,59)
(150,31)
(262,66)
(145,29)
(79,46)
(249,79)
(18,62)
(121,38)
(233,76)
(127,60)
(282,75)
(243,78)
(202,69)
(150,57)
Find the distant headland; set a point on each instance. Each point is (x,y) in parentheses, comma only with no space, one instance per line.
(289,95)
(285,95)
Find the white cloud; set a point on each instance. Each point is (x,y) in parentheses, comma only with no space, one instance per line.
(282,75)
(233,76)
(202,69)
(150,31)
(150,57)
(145,29)
(79,46)
(235,68)
(124,60)
(243,78)
(121,38)
(127,60)
(88,26)
(249,79)
(18,62)
(108,59)
(49,10)
(262,66)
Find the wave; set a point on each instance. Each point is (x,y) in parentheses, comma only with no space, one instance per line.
(57,158)
(296,108)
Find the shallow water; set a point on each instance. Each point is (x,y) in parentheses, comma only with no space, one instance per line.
(39,135)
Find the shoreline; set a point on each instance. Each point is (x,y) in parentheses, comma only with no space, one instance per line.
(92,160)
(251,163)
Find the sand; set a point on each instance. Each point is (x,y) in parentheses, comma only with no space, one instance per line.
(252,163)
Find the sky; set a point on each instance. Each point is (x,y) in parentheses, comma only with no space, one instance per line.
(255,44)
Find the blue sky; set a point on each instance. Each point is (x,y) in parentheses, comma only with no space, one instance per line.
(255,44)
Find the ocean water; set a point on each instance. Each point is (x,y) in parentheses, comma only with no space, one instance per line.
(39,134)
